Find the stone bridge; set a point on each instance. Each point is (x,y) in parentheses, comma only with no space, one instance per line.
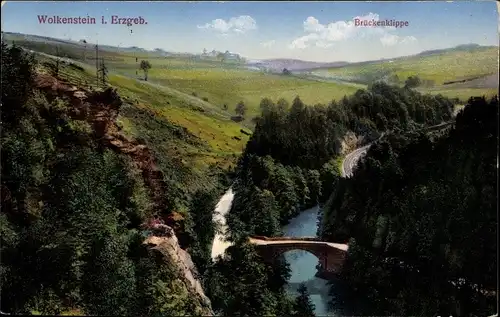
(331,255)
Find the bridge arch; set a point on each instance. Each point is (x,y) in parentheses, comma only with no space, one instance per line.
(303,265)
(330,255)
(278,251)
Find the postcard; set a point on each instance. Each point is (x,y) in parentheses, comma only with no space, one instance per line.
(239,158)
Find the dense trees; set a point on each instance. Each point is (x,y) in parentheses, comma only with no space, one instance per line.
(243,285)
(290,163)
(304,307)
(70,215)
(103,71)
(420,211)
(421,214)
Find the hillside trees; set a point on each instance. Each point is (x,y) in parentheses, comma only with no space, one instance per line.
(311,136)
(289,163)
(292,150)
(145,66)
(201,227)
(421,214)
(243,285)
(71,210)
(103,70)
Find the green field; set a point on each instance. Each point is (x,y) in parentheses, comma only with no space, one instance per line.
(463,93)
(228,84)
(440,68)
(231,86)
(216,82)
(205,86)
(181,132)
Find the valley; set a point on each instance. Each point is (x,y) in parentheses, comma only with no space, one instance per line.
(161,182)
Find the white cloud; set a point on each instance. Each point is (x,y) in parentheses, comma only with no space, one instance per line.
(325,35)
(240,24)
(408,39)
(392,39)
(268,43)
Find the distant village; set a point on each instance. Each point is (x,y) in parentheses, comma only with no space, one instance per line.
(226,56)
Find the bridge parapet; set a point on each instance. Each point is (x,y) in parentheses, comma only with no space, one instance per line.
(286,238)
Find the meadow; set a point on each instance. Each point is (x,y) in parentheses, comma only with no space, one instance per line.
(189,140)
(222,84)
(217,83)
(440,68)
(213,88)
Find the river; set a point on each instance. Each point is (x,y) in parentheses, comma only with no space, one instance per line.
(223,206)
(302,264)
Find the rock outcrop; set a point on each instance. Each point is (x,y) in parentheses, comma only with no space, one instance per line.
(350,142)
(169,247)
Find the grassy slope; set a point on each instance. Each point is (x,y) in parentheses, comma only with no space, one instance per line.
(221,83)
(226,84)
(461,93)
(440,68)
(158,118)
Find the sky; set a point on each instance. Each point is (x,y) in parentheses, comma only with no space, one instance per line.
(313,31)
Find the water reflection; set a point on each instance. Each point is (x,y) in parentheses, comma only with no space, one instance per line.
(303,264)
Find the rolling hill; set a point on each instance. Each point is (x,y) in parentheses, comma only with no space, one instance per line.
(440,66)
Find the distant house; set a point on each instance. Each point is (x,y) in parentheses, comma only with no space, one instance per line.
(227,56)
(231,56)
(213,53)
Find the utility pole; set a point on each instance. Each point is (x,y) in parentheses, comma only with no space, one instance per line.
(57,60)
(97,63)
(85,51)
(104,72)
(136,59)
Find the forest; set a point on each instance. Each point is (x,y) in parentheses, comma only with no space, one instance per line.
(73,209)
(73,215)
(290,164)
(419,213)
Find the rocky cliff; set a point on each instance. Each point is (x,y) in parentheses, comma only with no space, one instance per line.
(100,109)
(169,247)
